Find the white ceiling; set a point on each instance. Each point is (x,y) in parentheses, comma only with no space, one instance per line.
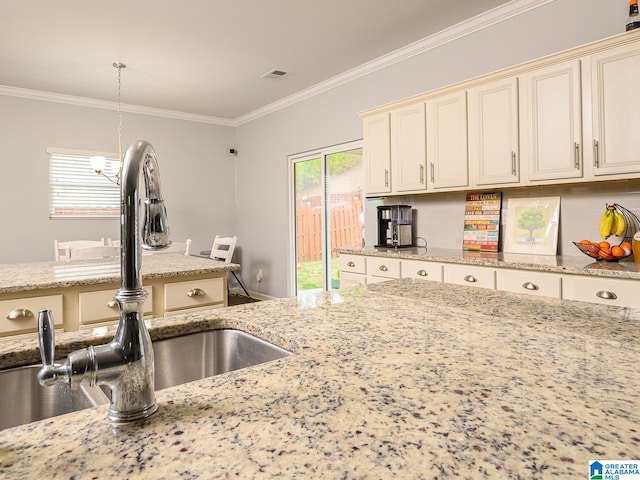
(206,57)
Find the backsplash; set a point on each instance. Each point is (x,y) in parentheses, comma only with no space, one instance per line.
(439,218)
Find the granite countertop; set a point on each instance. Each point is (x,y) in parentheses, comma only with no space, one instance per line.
(402,379)
(17,277)
(570,264)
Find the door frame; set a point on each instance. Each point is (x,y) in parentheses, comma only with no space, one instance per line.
(292,160)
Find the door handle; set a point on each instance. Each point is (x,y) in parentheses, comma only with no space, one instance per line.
(470,279)
(195,292)
(19,313)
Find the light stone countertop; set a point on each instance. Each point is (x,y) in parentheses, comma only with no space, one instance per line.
(18,277)
(397,380)
(571,264)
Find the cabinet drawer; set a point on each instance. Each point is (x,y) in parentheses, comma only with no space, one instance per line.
(353,264)
(193,293)
(470,276)
(422,270)
(351,279)
(383,267)
(607,291)
(100,306)
(531,283)
(21,315)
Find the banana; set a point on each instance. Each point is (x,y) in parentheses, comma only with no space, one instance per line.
(620,224)
(606,222)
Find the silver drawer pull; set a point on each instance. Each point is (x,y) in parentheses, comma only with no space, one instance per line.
(351,264)
(195,292)
(422,273)
(112,303)
(604,294)
(383,268)
(19,313)
(530,286)
(470,279)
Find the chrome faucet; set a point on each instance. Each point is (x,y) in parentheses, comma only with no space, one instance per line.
(125,364)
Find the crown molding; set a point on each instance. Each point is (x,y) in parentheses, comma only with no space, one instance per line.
(455,32)
(460,30)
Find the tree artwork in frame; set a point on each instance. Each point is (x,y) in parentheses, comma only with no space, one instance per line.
(532,225)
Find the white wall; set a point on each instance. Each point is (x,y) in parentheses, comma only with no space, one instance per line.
(197,174)
(331,118)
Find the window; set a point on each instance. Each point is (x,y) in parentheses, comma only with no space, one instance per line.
(76,191)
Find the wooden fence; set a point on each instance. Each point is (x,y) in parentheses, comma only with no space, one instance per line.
(346,229)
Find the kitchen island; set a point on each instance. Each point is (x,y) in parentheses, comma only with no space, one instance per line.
(79,292)
(401,379)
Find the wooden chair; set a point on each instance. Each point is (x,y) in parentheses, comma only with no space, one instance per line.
(175,247)
(222,250)
(100,251)
(61,249)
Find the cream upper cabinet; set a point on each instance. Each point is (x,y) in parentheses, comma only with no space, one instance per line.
(551,122)
(447,141)
(615,107)
(377,153)
(493,132)
(408,150)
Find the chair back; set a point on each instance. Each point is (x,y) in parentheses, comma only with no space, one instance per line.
(61,249)
(100,251)
(175,247)
(223,248)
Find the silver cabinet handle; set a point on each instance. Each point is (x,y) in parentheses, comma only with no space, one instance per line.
(422,273)
(351,264)
(19,313)
(530,286)
(112,303)
(432,167)
(576,155)
(470,279)
(595,153)
(422,174)
(604,294)
(386,177)
(513,163)
(195,292)
(383,268)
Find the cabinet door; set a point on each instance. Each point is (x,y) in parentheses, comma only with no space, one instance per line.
(20,315)
(470,276)
(551,131)
(615,77)
(421,270)
(607,291)
(351,279)
(408,150)
(377,153)
(383,267)
(493,132)
(541,284)
(447,141)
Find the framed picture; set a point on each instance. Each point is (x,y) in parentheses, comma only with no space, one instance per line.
(532,225)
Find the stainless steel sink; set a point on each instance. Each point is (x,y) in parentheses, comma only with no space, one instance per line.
(191,357)
(178,360)
(24,400)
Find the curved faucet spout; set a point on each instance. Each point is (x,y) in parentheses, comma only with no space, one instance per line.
(125,364)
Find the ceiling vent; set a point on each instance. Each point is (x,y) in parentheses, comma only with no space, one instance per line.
(274,73)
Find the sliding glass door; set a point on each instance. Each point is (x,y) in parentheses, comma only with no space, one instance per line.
(327,213)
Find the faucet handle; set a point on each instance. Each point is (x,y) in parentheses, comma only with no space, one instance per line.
(46,335)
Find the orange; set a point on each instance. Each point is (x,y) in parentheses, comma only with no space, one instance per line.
(617,252)
(604,244)
(626,245)
(585,242)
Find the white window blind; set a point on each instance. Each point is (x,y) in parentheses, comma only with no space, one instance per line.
(77,191)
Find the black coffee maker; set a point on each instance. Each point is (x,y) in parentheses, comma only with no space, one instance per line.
(395,226)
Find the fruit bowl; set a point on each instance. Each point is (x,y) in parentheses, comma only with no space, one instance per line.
(598,252)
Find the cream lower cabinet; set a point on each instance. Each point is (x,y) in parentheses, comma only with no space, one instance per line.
(100,308)
(20,315)
(420,270)
(353,270)
(540,284)
(381,269)
(470,275)
(606,291)
(180,297)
